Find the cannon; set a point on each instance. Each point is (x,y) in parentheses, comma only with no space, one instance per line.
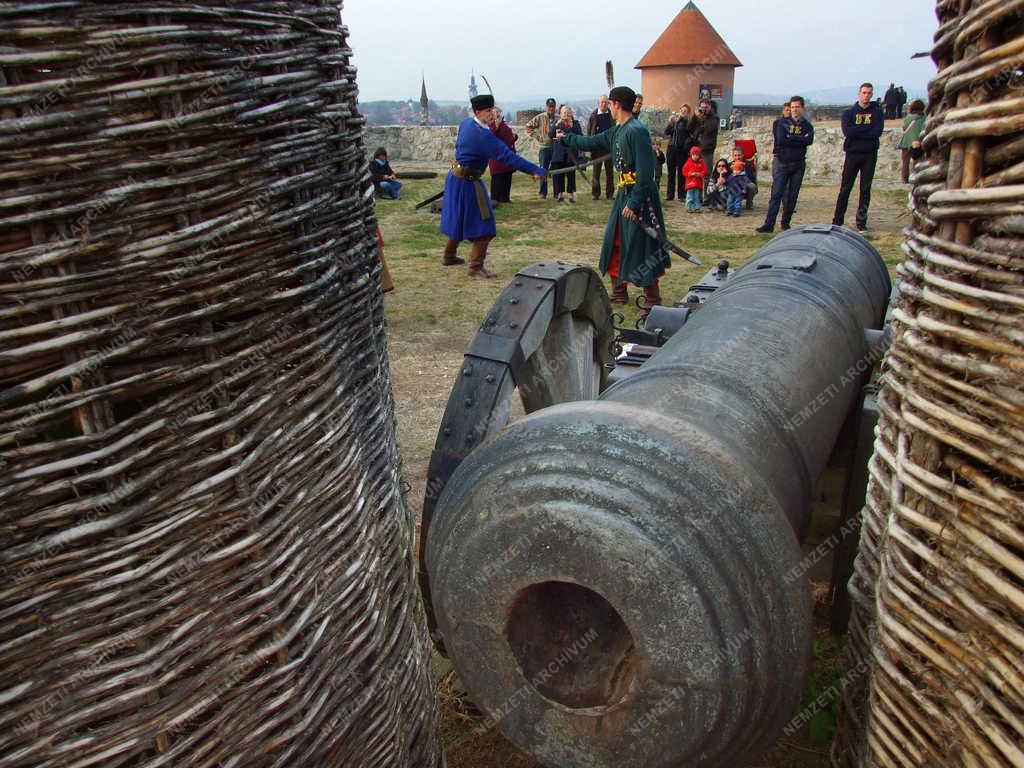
(615,575)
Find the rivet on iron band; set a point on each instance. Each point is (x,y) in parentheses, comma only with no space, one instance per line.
(513,300)
(467,371)
(468,401)
(489,378)
(513,324)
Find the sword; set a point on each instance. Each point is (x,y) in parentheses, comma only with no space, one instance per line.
(656,233)
(429,200)
(439,195)
(570,169)
(487,83)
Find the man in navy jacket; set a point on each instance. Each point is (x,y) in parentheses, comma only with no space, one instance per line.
(862,127)
(793,135)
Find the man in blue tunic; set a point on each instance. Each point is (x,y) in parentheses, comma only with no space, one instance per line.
(467,213)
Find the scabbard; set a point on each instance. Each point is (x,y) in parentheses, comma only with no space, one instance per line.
(481,199)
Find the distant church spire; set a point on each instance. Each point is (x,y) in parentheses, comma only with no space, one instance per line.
(424,103)
(472,85)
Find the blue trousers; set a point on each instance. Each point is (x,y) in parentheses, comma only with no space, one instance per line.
(734,202)
(786,181)
(693,199)
(544,161)
(391,188)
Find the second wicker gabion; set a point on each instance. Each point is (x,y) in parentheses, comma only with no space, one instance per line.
(937,643)
(205,554)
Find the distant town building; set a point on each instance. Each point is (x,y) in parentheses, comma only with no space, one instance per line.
(424,103)
(472,85)
(689,61)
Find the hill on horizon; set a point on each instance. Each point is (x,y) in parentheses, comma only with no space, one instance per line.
(842,94)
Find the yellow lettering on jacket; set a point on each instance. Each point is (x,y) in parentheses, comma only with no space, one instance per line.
(863,118)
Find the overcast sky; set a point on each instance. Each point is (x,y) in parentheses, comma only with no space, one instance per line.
(559,48)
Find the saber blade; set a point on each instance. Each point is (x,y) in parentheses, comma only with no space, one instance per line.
(661,238)
(429,200)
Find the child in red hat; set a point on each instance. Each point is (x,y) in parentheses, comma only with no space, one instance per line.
(695,172)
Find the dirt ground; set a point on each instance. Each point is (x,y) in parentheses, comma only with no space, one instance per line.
(435,310)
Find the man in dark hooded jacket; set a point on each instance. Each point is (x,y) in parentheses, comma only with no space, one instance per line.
(707,127)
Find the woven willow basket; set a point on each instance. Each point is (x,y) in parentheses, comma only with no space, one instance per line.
(206,557)
(938,628)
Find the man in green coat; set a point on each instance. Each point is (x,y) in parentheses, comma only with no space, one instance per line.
(629,254)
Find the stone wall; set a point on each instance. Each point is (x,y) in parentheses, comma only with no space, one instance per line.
(434,146)
(816,112)
(824,157)
(428,145)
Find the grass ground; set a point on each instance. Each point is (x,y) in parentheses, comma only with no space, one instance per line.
(435,310)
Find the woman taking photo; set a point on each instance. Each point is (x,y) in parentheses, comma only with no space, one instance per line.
(714,195)
(560,154)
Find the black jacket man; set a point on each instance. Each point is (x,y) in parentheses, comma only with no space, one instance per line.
(862,126)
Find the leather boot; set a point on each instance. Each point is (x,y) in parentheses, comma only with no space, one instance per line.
(476,259)
(450,258)
(652,297)
(620,291)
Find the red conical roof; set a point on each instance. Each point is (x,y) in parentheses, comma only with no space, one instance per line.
(689,39)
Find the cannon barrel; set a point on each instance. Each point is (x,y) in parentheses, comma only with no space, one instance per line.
(618,581)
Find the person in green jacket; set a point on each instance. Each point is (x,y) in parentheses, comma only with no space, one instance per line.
(628,254)
(910,144)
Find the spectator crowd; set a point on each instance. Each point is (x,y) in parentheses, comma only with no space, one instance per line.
(684,153)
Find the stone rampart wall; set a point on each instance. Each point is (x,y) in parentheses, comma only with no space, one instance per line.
(434,146)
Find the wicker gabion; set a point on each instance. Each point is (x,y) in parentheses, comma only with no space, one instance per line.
(205,553)
(937,641)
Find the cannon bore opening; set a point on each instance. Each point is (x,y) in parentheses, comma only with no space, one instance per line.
(571,645)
